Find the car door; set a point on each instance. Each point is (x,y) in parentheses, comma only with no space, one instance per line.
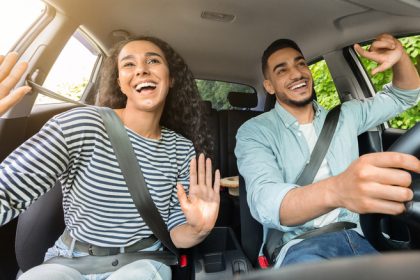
(49,43)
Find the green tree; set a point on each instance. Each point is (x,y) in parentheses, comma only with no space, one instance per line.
(217,91)
(328,97)
(411,116)
(325,90)
(72,91)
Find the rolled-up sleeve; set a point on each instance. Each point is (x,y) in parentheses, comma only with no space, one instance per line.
(385,105)
(265,184)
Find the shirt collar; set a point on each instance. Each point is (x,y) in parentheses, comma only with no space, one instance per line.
(288,119)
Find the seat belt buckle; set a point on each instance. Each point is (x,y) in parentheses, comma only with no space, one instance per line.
(183,260)
(263,262)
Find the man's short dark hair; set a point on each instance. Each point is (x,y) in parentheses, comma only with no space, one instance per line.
(275,46)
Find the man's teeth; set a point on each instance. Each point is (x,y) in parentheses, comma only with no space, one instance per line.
(298,86)
(144,85)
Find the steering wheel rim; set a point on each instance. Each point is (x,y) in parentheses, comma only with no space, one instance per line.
(408,143)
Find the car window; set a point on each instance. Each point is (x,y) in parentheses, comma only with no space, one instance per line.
(326,92)
(21,14)
(68,76)
(411,116)
(217,91)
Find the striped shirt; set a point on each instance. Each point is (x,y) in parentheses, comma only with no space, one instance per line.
(74,148)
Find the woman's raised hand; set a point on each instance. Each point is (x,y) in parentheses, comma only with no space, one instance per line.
(201,205)
(10,74)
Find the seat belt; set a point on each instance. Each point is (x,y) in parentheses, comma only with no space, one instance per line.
(131,171)
(321,147)
(274,240)
(134,177)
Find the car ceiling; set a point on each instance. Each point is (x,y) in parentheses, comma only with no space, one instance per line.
(231,50)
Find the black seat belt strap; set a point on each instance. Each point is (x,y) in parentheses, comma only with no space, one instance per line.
(274,237)
(321,147)
(134,177)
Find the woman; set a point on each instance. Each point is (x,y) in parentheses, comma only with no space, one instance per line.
(151,89)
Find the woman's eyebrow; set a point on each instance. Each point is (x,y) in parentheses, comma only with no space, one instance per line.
(153,54)
(147,54)
(127,57)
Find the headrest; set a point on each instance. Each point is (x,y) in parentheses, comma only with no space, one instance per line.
(270,101)
(207,105)
(243,99)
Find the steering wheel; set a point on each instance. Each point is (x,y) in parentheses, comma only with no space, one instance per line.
(371,224)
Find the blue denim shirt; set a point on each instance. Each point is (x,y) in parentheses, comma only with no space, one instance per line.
(272,152)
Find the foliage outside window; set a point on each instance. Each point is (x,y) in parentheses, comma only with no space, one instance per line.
(325,90)
(411,116)
(217,91)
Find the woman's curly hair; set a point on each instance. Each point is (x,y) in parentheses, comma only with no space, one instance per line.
(184,111)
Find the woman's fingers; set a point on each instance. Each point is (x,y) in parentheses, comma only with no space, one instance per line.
(193,172)
(9,100)
(7,64)
(10,74)
(216,185)
(208,173)
(201,174)
(201,170)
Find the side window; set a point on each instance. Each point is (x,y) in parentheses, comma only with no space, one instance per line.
(69,76)
(217,91)
(12,27)
(411,116)
(325,90)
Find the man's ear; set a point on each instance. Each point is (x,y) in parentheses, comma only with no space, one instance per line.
(269,87)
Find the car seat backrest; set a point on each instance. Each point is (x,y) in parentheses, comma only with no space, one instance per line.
(242,100)
(38,228)
(251,229)
(230,121)
(213,127)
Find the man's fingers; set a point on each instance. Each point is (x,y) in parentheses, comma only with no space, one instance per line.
(359,49)
(9,100)
(381,68)
(367,54)
(7,64)
(385,207)
(389,176)
(390,193)
(392,160)
(383,44)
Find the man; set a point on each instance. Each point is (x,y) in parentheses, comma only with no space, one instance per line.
(273,148)
(10,74)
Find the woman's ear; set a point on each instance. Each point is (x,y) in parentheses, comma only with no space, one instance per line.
(171,84)
(269,87)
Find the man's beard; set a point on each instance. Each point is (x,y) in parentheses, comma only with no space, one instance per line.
(294,103)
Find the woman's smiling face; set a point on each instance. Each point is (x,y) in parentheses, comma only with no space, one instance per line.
(143,75)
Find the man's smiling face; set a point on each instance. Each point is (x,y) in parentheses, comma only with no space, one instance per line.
(289,78)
